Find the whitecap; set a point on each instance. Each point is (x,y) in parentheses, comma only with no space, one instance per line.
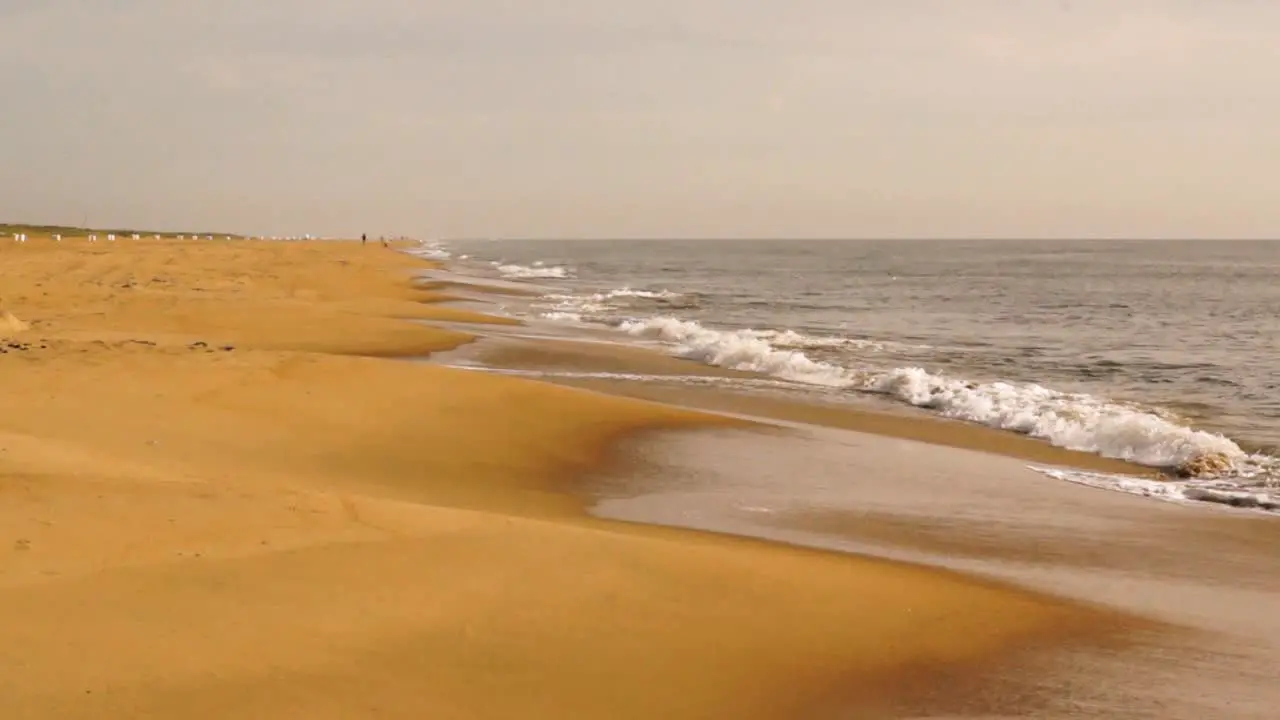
(535,271)
(1068,420)
(1228,492)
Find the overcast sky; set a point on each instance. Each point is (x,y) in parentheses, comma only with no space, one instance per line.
(645,118)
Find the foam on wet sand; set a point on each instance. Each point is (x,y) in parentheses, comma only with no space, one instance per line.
(1210,571)
(223,497)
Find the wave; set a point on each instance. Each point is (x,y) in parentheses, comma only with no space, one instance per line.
(1232,493)
(563,316)
(801,341)
(431,251)
(533,272)
(665,298)
(1076,421)
(647,294)
(597,306)
(1073,421)
(737,350)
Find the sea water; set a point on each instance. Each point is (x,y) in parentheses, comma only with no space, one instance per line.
(1156,352)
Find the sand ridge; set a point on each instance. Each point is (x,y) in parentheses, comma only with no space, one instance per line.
(219,497)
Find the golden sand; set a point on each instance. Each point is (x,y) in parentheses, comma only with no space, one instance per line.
(220,498)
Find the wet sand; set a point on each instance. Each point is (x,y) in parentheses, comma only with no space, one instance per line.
(568,356)
(1210,572)
(570,363)
(224,497)
(894,484)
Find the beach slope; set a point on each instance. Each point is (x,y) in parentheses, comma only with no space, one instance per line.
(222,496)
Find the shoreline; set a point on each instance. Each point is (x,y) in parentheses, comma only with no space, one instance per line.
(288,523)
(1208,575)
(1194,565)
(587,364)
(1114,411)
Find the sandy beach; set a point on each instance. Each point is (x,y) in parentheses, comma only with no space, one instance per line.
(878,479)
(225,493)
(899,360)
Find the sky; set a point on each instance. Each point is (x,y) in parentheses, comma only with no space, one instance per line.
(645,118)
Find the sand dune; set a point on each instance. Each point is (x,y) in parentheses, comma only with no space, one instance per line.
(219,497)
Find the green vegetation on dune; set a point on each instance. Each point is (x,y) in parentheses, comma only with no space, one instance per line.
(72,231)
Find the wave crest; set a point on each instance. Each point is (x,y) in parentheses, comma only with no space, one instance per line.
(1068,420)
(1215,468)
(534,271)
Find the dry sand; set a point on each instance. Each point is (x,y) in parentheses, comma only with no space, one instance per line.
(220,497)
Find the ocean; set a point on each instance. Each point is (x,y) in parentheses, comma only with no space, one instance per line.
(1156,352)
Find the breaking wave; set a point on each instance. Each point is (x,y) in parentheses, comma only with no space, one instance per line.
(1082,422)
(599,307)
(431,251)
(1072,421)
(535,271)
(1241,492)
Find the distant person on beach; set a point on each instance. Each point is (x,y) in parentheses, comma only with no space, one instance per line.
(363,238)
(384,240)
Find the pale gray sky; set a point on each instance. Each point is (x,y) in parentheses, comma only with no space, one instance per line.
(650,118)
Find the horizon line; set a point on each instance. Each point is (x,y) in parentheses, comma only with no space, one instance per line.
(856,239)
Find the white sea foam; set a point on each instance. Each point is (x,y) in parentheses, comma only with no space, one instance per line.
(598,307)
(577,305)
(665,298)
(431,251)
(800,341)
(1068,420)
(537,270)
(577,308)
(1222,492)
(738,350)
(628,292)
(563,316)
